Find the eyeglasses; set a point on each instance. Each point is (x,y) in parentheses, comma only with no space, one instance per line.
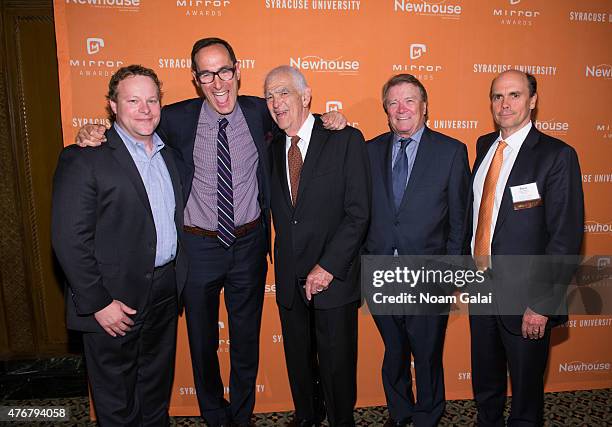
(225,74)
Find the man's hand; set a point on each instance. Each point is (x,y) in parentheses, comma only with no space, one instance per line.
(114,318)
(534,324)
(90,136)
(317,281)
(334,120)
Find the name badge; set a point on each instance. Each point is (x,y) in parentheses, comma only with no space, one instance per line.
(525,196)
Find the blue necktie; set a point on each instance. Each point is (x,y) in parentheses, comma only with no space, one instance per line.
(225,193)
(400,172)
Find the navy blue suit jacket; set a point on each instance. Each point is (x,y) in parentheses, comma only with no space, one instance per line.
(554,228)
(103,231)
(178,127)
(430,219)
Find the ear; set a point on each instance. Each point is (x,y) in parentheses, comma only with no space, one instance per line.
(533,101)
(306,97)
(237,72)
(113,106)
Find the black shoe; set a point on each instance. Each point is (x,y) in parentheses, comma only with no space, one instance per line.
(296,422)
(392,423)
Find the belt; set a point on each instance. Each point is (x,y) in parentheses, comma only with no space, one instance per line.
(238,231)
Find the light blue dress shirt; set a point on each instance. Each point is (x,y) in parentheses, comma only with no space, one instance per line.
(160,192)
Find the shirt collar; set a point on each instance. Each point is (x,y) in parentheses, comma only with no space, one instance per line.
(517,138)
(211,117)
(132,145)
(416,137)
(305,131)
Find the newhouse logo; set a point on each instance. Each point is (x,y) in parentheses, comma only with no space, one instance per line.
(321,65)
(601,71)
(440,9)
(595,227)
(122,5)
(552,127)
(579,366)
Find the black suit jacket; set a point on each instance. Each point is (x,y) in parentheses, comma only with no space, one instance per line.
(554,228)
(330,219)
(430,218)
(103,231)
(178,127)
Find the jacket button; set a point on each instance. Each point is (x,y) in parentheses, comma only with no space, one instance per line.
(295,221)
(148,276)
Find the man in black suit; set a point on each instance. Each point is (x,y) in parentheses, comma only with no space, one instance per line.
(419,192)
(320,188)
(525,199)
(116,230)
(220,142)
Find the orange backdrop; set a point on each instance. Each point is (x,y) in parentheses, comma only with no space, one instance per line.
(347,50)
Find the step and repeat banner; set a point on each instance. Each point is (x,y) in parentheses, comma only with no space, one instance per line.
(347,49)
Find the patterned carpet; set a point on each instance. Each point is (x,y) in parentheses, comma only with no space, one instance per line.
(577,408)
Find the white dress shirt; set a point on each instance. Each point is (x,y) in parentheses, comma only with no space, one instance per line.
(514,141)
(304,133)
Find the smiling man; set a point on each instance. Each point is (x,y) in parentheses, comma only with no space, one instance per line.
(419,191)
(321,206)
(116,226)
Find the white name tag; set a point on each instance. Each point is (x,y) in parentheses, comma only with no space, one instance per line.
(525,196)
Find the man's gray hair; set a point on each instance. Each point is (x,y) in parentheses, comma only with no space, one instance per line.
(299,81)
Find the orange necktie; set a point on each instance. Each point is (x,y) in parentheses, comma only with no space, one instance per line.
(295,163)
(482,243)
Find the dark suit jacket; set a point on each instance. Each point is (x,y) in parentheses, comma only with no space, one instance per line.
(554,228)
(330,219)
(103,231)
(178,127)
(430,219)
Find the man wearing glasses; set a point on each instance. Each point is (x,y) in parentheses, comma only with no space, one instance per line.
(220,142)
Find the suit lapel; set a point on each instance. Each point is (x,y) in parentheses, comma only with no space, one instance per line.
(123,157)
(516,176)
(317,141)
(387,168)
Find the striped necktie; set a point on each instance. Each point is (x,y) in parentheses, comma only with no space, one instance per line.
(225,193)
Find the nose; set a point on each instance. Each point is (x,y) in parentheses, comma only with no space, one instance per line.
(144,107)
(216,82)
(401,107)
(275,101)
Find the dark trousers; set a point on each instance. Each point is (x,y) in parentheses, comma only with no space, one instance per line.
(421,336)
(495,349)
(335,361)
(241,272)
(131,376)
